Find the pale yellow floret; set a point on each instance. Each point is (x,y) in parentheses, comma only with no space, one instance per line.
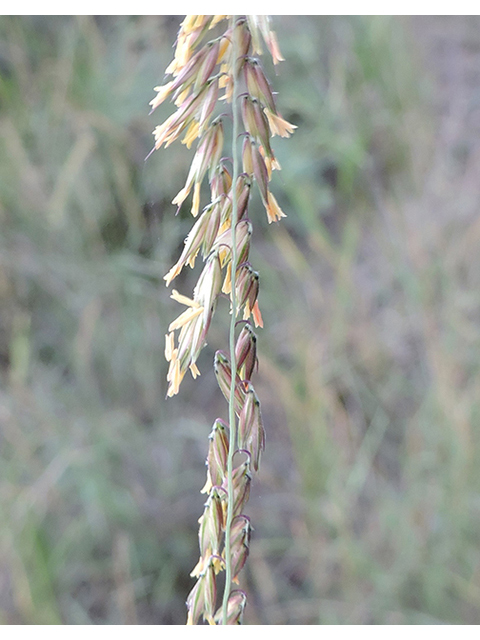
(255,312)
(175,377)
(173,273)
(196,200)
(172,365)
(198,568)
(185,318)
(224,227)
(218,565)
(224,47)
(161,95)
(194,370)
(192,134)
(270,162)
(164,132)
(208,484)
(274,212)
(169,346)
(182,52)
(227,284)
(182,97)
(274,48)
(216,20)
(173,135)
(257,316)
(198,22)
(172,68)
(183,299)
(278,125)
(192,258)
(225,81)
(223,255)
(188,23)
(181,196)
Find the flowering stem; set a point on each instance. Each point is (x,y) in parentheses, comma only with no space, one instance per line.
(221,226)
(233,360)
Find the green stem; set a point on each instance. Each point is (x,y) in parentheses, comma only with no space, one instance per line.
(233,360)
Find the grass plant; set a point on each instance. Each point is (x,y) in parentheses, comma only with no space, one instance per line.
(204,63)
(366,509)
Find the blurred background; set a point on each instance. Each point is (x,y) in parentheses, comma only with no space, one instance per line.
(366,509)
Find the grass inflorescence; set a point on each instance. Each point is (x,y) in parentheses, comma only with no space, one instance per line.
(366,508)
(203,66)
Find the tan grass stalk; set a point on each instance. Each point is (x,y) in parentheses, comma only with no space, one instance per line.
(210,59)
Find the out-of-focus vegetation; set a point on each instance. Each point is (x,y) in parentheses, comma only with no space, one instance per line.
(367,507)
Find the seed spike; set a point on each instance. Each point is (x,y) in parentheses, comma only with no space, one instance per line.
(210,67)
